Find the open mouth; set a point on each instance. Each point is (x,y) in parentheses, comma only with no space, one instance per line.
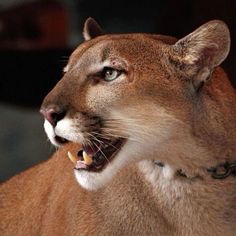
(97,155)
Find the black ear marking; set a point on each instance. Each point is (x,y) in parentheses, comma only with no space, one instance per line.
(91,29)
(198,83)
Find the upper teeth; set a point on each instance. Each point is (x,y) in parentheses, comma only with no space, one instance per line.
(88,160)
(72,157)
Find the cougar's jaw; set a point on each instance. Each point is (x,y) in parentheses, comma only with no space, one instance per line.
(91,158)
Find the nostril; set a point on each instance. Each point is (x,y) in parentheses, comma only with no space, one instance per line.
(52,115)
(57,116)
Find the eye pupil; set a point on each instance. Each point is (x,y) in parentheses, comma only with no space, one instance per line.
(110,74)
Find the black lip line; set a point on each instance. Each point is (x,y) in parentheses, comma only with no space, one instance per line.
(60,140)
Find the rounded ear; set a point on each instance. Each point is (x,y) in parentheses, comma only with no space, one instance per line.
(91,29)
(197,54)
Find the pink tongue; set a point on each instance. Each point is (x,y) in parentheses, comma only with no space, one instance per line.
(80,165)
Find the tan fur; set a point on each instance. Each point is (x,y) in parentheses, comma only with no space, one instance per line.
(159,104)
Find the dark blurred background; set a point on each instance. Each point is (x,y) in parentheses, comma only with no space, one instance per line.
(36,38)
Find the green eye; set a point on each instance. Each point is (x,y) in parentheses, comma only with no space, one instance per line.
(110,74)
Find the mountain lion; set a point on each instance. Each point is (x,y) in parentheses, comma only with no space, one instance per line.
(149,123)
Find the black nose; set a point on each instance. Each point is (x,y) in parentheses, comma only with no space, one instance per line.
(52,115)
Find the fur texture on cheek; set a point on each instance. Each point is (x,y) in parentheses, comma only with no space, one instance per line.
(103,97)
(141,126)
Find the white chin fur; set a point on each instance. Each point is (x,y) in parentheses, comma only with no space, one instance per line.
(131,151)
(94,181)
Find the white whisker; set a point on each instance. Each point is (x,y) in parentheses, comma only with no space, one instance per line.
(102,152)
(96,139)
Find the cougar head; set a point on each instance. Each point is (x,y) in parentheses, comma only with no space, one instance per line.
(124,97)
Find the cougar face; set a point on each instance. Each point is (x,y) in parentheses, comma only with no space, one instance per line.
(123,98)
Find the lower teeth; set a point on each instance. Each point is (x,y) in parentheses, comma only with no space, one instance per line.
(72,158)
(88,160)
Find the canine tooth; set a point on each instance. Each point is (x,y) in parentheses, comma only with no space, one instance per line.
(72,157)
(87,159)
